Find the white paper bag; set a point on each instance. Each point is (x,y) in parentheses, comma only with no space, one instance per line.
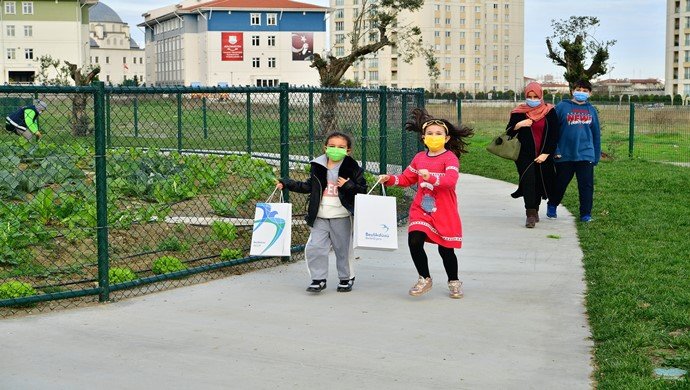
(272,234)
(376,222)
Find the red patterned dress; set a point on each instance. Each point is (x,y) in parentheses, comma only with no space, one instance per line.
(434,209)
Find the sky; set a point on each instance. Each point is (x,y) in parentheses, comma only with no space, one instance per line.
(638,26)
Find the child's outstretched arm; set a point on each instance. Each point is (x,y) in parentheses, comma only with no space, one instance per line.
(303,187)
(407,178)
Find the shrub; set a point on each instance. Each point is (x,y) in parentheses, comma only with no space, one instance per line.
(172,244)
(224,230)
(121,275)
(16,289)
(167,264)
(231,254)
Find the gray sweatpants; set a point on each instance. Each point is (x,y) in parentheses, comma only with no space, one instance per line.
(327,233)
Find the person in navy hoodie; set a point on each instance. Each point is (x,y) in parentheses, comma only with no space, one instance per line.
(24,121)
(579,149)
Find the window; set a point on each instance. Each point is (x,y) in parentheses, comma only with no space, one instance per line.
(374,75)
(476,47)
(478,9)
(272,19)
(339,38)
(271,40)
(462,8)
(437,20)
(10,30)
(28,31)
(339,51)
(256,62)
(27,7)
(124,60)
(437,34)
(255,40)
(339,13)
(447,20)
(28,54)
(446,74)
(462,34)
(107,60)
(10,7)
(462,47)
(255,19)
(477,60)
(447,8)
(339,26)
(340,2)
(11,54)
(447,34)
(437,7)
(271,62)
(462,60)
(477,34)
(141,60)
(96,59)
(687,73)
(462,20)
(373,62)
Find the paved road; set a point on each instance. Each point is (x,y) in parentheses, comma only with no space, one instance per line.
(521,325)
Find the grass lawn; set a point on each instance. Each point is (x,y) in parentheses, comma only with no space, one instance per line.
(637,266)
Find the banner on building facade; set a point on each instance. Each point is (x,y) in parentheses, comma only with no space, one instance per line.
(231,46)
(302,46)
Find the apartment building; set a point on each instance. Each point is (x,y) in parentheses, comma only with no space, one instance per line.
(31,29)
(234,42)
(478,45)
(678,47)
(112,47)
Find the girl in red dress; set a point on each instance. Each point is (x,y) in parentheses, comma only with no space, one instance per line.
(434,214)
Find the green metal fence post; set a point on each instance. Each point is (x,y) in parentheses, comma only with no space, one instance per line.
(101,193)
(249,122)
(311,125)
(421,103)
(284,135)
(459,104)
(365,129)
(383,129)
(203,116)
(136,117)
(631,135)
(179,121)
(403,155)
(108,141)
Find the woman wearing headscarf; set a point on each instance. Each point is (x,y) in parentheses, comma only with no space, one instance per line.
(536,125)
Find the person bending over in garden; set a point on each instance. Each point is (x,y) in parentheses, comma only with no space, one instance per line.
(334,180)
(579,149)
(24,121)
(434,213)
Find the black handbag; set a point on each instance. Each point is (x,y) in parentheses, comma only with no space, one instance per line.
(505,146)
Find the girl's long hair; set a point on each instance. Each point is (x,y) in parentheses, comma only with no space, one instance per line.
(458,134)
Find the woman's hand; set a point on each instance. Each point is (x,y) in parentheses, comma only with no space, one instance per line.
(279,185)
(541,158)
(342,181)
(524,123)
(384,178)
(424,173)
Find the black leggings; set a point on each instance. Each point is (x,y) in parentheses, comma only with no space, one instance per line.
(415,240)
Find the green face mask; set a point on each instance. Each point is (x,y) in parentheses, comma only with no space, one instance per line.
(336,154)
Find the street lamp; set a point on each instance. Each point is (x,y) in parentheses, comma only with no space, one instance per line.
(516,78)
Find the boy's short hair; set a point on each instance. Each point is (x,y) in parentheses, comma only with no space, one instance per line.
(582,84)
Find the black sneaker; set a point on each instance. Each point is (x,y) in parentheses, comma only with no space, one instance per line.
(346,285)
(317,285)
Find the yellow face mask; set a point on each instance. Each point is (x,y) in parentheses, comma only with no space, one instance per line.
(435,142)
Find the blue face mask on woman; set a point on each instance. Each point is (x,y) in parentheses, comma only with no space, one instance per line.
(580,96)
(533,102)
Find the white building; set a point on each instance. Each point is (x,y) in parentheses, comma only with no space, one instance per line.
(32,29)
(112,47)
(678,48)
(234,42)
(478,45)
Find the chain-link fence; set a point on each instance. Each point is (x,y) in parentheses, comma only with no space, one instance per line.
(653,132)
(140,189)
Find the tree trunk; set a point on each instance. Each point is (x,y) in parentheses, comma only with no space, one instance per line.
(80,118)
(327,121)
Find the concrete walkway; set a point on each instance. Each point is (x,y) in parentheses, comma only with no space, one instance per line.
(521,324)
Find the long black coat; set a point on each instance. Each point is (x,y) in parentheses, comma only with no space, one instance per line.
(315,185)
(545,180)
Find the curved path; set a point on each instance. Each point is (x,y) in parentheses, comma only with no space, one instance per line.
(521,325)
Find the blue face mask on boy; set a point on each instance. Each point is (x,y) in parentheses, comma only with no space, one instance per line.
(580,96)
(533,102)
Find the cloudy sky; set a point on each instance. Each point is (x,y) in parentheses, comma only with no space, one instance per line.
(639,26)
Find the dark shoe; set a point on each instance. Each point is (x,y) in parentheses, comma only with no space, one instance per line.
(551,212)
(346,285)
(586,218)
(531,220)
(317,286)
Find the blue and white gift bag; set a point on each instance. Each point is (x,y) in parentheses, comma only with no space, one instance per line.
(272,231)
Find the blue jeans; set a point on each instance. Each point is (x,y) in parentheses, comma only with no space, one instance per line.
(584,171)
